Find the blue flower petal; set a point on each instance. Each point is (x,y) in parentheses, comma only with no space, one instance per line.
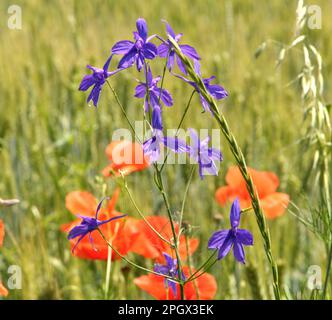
(217,239)
(239,252)
(235,213)
(245,237)
(142,28)
(226,246)
(150,51)
(122,47)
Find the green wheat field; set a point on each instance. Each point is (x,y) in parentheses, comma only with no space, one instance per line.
(52,142)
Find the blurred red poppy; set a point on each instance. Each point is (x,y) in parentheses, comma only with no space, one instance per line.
(149,245)
(3,290)
(203,288)
(273,203)
(2,232)
(126,157)
(121,233)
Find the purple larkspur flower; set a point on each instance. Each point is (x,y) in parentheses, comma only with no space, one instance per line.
(150,90)
(199,151)
(203,155)
(166,49)
(169,269)
(97,79)
(88,224)
(151,147)
(224,240)
(215,90)
(136,51)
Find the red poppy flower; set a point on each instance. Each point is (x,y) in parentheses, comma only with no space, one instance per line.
(2,232)
(3,290)
(121,233)
(273,203)
(126,157)
(150,246)
(205,286)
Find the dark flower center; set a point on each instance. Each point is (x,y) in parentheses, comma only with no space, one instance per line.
(99,76)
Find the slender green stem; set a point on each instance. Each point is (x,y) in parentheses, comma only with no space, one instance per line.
(160,186)
(205,270)
(142,215)
(328,270)
(239,157)
(246,210)
(133,263)
(123,110)
(185,199)
(147,91)
(190,266)
(108,272)
(125,183)
(202,266)
(162,78)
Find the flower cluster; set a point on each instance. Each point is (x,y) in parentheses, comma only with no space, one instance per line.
(139,52)
(131,235)
(157,237)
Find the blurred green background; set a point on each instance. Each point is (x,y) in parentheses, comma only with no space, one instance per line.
(52,142)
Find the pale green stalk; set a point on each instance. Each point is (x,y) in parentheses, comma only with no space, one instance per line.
(161,188)
(203,266)
(123,110)
(185,199)
(190,266)
(239,157)
(108,272)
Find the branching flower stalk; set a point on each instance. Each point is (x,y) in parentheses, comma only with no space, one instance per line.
(239,157)
(161,188)
(159,183)
(155,97)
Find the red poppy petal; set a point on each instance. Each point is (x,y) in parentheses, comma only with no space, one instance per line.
(275,204)
(81,202)
(125,156)
(148,244)
(234,177)
(223,194)
(265,182)
(205,286)
(153,285)
(144,247)
(108,171)
(2,232)
(111,204)
(3,291)
(192,246)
